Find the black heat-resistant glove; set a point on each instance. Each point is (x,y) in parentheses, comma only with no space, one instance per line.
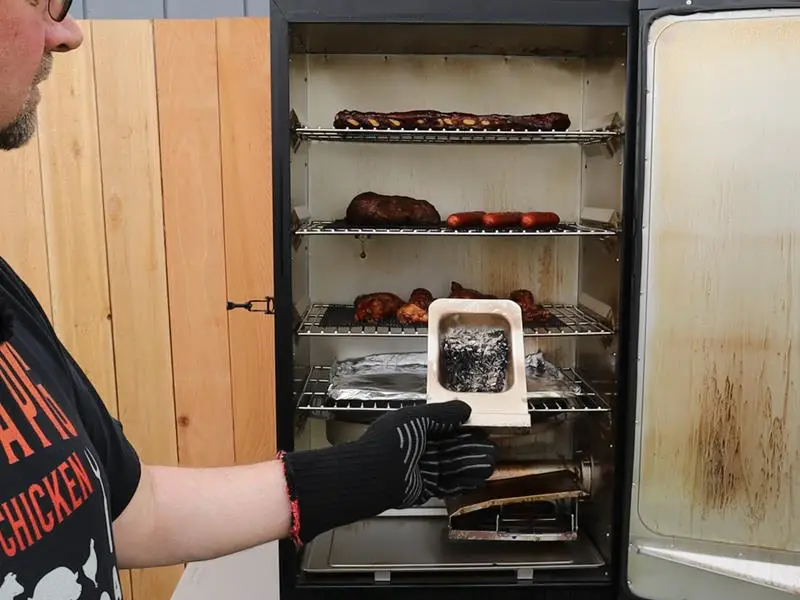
(404,458)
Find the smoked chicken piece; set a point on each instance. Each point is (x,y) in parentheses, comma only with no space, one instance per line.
(524,298)
(416,311)
(378,210)
(377,307)
(450,121)
(459,291)
(421,297)
(411,314)
(531,313)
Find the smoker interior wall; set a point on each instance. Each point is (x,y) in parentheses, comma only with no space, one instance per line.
(453,178)
(562,178)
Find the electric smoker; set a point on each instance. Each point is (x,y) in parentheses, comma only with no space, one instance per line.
(644,372)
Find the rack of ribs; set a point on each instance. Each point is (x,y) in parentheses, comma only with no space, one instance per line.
(451,121)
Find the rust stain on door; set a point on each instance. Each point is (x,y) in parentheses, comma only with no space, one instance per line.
(725,473)
(718,448)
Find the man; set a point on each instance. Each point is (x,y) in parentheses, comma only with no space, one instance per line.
(76,504)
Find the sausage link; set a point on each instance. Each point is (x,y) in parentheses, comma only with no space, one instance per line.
(534,220)
(494,220)
(465,219)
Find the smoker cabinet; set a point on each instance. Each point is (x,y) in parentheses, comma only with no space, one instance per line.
(668,284)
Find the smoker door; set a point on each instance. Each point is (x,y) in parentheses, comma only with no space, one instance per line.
(715,453)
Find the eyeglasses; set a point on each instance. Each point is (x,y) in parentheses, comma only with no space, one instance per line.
(59,9)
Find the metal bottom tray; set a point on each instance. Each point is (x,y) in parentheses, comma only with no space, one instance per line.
(401,544)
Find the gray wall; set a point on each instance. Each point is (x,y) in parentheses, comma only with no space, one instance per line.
(171,9)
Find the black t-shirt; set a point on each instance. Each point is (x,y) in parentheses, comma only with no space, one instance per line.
(66,469)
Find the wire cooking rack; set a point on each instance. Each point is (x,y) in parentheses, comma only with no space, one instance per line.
(339,319)
(313,396)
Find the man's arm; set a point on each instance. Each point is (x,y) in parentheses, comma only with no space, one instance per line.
(184,514)
(403,459)
(169,515)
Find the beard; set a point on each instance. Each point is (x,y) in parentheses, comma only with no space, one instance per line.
(22,129)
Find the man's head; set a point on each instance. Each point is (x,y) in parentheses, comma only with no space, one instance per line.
(29,34)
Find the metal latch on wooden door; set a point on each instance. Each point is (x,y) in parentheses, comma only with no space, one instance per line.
(266,306)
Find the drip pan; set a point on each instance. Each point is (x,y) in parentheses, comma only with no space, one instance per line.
(384,545)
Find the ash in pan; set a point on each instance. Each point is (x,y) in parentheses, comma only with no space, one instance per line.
(475,359)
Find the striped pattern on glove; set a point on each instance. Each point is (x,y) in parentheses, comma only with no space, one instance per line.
(439,459)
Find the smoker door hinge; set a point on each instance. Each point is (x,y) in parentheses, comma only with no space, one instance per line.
(268,304)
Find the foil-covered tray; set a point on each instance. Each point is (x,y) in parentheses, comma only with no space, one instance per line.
(403,376)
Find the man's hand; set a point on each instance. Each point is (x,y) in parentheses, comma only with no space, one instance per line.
(403,459)
(438,457)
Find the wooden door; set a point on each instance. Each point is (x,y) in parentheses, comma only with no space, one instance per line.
(141,207)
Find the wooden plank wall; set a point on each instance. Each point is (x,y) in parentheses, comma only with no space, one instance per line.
(143,204)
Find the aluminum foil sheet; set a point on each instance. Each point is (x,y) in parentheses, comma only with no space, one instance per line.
(403,376)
